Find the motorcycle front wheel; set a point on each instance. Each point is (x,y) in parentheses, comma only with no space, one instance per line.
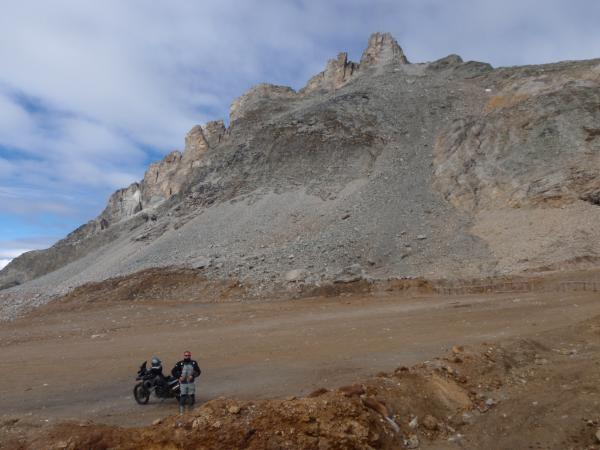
(141,394)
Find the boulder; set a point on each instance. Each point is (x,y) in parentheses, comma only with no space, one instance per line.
(349,274)
(296,275)
(202,263)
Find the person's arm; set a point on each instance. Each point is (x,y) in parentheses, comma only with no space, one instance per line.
(176,372)
(197,370)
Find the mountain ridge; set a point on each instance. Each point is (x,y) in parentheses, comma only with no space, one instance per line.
(404,169)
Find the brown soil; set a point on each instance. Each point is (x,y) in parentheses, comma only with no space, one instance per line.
(534,386)
(157,284)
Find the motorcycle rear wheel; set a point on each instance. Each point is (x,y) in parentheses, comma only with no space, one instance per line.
(141,394)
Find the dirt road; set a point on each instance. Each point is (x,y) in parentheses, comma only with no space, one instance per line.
(60,364)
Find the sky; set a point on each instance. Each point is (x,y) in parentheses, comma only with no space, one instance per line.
(92,92)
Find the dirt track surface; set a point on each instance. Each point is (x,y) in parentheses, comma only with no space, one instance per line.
(60,364)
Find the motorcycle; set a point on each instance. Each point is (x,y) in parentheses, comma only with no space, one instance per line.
(150,381)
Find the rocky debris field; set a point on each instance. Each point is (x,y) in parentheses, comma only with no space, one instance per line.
(197,286)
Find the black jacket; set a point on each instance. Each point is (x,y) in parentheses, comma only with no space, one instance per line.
(176,372)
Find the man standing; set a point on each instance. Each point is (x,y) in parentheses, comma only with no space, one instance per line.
(187,370)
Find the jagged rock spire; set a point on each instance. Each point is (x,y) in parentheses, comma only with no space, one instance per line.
(337,72)
(382,49)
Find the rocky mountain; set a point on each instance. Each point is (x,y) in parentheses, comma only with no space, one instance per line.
(442,169)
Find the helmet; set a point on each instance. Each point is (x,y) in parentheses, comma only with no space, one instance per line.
(156,363)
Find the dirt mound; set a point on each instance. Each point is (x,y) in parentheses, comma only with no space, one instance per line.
(160,284)
(377,414)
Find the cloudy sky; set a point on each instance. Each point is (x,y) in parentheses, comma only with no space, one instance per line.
(91,92)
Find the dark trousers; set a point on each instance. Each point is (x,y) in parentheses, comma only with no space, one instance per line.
(183,399)
(187,394)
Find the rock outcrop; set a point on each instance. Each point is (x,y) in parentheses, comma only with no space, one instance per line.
(214,133)
(258,98)
(535,141)
(123,203)
(162,179)
(165,178)
(382,50)
(196,147)
(336,73)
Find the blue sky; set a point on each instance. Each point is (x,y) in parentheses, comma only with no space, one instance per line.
(91,92)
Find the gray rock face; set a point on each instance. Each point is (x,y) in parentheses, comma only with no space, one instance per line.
(336,73)
(257,98)
(162,179)
(123,203)
(196,147)
(442,169)
(382,49)
(536,140)
(214,132)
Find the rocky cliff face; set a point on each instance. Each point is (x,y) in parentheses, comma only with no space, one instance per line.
(443,169)
(163,179)
(535,140)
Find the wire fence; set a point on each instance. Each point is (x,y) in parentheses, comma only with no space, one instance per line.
(515,287)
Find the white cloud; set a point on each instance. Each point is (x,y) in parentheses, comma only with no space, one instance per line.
(12,117)
(7,168)
(10,249)
(150,71)
(7,255)
(12,253)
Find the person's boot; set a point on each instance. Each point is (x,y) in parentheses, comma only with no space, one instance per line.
(182,404)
